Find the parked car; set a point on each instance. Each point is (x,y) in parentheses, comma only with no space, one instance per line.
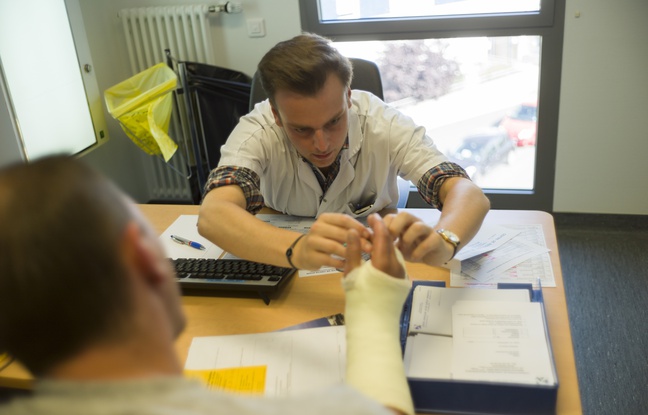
(521,124)
(481,151)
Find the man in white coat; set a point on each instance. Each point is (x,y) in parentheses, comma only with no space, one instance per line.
(318,149)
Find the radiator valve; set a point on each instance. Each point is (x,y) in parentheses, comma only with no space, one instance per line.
(227,7)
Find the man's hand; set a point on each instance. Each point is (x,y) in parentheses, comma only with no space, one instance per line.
(464,208)
(324,243)
(383,253)
(417,241)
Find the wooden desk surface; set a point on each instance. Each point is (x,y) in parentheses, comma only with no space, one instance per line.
(309,298)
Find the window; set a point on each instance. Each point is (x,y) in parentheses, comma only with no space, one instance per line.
(51,89)
(483,77)
(334,10)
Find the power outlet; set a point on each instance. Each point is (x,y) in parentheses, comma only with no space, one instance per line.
(256,27)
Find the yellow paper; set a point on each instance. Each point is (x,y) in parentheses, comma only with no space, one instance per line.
(250,379)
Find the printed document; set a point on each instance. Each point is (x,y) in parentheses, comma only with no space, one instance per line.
(521,259)
(432,306)
(295,361)
(477,335)
(488,238)
(500,342)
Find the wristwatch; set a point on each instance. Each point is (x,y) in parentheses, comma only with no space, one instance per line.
(451,238)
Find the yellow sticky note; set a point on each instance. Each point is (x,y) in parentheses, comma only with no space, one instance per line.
(249,379)
(5,360)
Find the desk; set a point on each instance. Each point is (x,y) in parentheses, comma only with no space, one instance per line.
(304,299)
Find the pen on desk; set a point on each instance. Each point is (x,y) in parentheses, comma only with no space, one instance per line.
(184,241)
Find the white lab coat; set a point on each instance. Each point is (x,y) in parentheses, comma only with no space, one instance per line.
(383,144)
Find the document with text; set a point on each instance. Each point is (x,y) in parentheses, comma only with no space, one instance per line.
(432,306)
(522,258)
(478,335)
(500,342)
(289,362)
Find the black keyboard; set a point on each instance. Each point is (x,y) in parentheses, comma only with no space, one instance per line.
(202,274)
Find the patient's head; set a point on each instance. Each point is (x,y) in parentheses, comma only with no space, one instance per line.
(62,284)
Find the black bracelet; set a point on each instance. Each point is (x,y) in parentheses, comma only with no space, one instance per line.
(289,251)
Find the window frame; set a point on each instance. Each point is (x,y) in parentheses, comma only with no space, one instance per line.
(547,23)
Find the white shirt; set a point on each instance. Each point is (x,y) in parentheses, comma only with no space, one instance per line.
(383,144)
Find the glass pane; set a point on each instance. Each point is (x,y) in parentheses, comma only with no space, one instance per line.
(45,84)
(477,98)
(332,10)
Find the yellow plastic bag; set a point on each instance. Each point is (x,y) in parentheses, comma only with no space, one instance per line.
(142,104)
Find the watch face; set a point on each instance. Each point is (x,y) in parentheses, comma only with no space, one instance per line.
(449,236)
(452,237)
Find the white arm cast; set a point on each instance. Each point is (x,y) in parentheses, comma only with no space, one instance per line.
(374,302)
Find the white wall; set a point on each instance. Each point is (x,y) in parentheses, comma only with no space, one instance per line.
(603,127)
(239,51)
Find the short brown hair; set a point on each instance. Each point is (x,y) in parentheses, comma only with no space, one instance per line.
(62,284)
(302,65)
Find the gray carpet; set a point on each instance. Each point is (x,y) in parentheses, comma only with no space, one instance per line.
(604,262)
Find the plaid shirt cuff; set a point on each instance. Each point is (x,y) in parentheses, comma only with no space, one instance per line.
(245,178)
(430,184)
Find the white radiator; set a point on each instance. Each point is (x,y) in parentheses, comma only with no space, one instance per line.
(184,31)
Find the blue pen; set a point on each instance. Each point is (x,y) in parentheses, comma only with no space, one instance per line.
(184,241)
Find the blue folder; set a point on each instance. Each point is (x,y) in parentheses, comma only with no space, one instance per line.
(471,397)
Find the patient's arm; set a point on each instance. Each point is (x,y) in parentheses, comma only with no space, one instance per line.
(375,293)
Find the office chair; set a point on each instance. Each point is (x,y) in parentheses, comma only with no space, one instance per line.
(366,77)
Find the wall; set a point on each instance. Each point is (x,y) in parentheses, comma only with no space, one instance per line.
(281,23)
(602,132)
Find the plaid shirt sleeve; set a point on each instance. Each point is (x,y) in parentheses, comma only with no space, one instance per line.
(430,184)
(245,178)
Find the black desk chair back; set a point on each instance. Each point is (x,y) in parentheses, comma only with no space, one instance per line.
(213,100)
(366,77)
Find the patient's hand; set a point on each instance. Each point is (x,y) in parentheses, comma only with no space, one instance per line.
(383,254)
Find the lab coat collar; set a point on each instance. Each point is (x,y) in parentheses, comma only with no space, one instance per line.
(355,135)
(347,163)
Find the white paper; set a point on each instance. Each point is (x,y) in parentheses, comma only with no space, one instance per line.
(487,239)
(489,265)
(427,356)
(298,361)
(432,306)
(500,342)
(186,227)
(500,265)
